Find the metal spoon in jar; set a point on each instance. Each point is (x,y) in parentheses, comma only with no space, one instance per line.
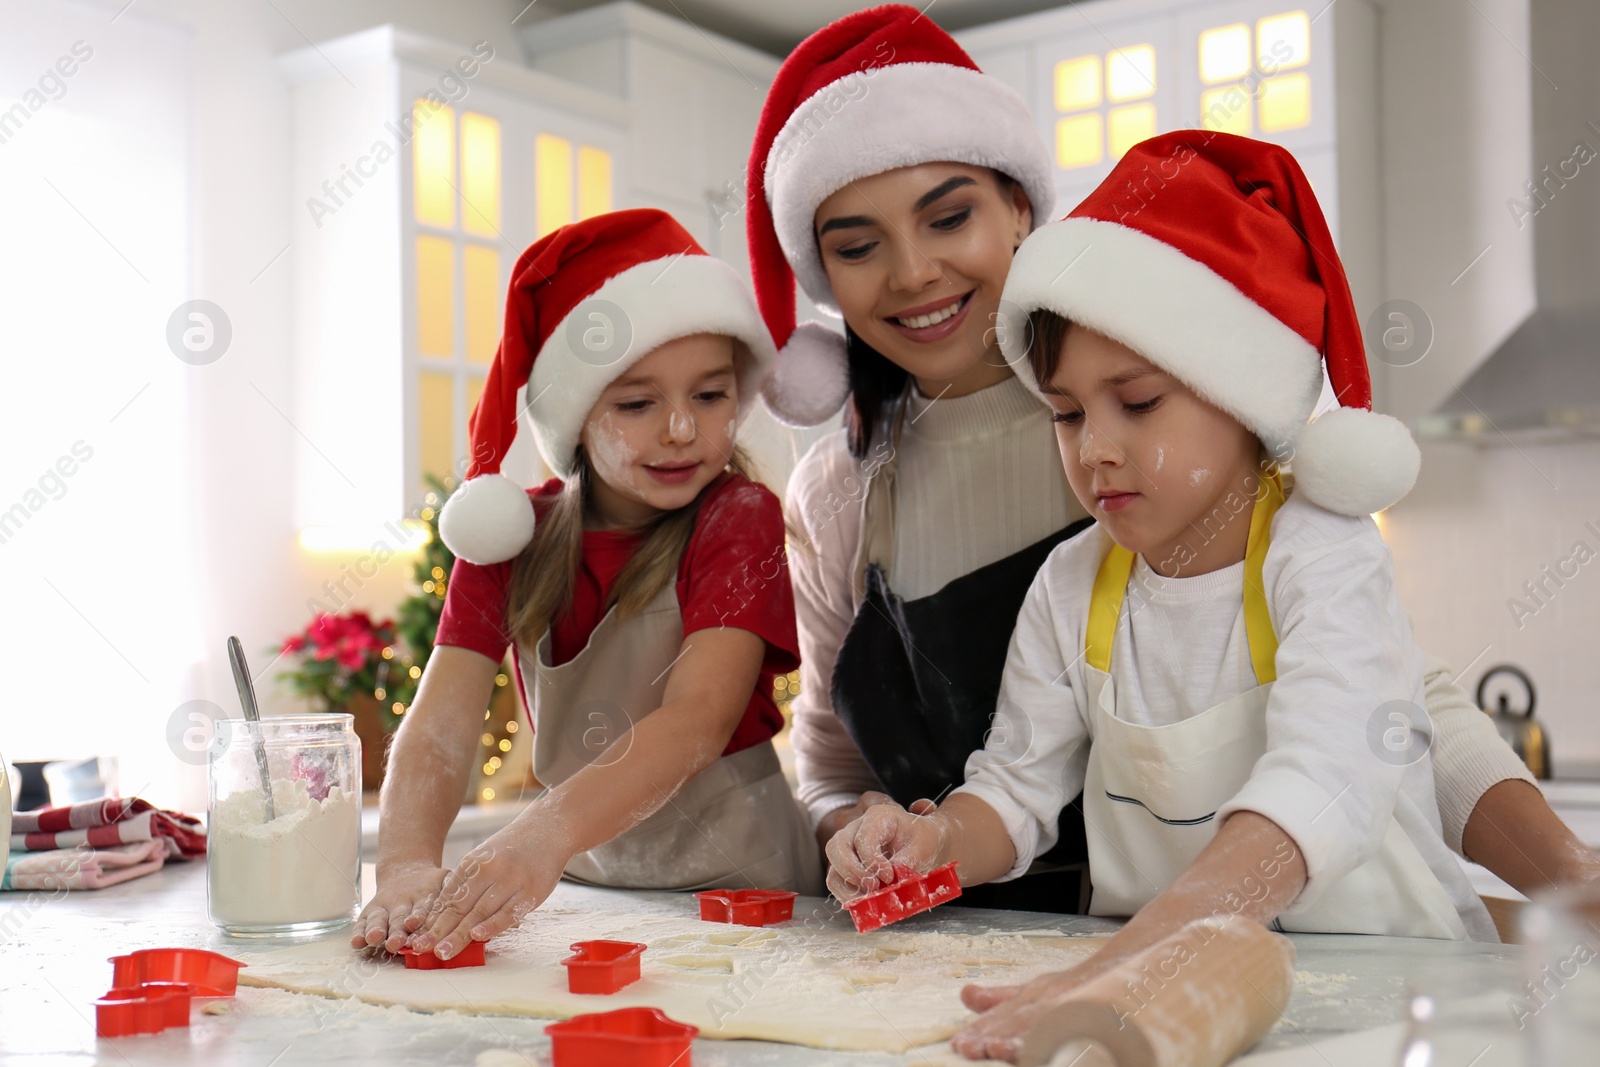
(247,698)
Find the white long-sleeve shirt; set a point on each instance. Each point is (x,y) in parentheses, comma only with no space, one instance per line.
(1345,654)
(979,479)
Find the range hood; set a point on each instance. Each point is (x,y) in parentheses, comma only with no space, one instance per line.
(1543,382)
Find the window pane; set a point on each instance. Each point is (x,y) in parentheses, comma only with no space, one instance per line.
(435,424)
(480,174)
(1226,109)
(1285,102)
(436,296)
(1283,41)
(1131,73)
(1078,83)
(481,279)
(474,391)
(434,163)
(594,181)
(1224,53)
(1127,126)
(1079,141)
(552,176)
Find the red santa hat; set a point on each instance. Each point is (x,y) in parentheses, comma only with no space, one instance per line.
(881,89)
(586,302)
(1207,254)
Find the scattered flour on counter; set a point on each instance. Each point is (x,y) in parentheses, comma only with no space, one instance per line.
(504,1057)
(1323,985)
(303,866)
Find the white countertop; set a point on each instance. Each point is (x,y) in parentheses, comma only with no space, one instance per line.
(53,965)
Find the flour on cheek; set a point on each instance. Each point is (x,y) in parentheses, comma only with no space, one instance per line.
(615,459)
(1198,475)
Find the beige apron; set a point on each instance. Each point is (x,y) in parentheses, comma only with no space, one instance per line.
(1151,793)
(734,825)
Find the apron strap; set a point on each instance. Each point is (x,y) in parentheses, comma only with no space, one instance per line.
(1111,586)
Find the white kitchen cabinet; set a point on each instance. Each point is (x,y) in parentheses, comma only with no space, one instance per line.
(694,98)
(1103,75)
(421,171)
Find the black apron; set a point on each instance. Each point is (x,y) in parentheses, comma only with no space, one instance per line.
(915,684)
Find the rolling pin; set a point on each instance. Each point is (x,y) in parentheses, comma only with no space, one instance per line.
(1195,999)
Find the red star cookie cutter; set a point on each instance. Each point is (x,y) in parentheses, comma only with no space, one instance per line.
(471,956)
(747,907)
(910,894)
(148,1008)
(630,1037)
(602,966)
(211,974)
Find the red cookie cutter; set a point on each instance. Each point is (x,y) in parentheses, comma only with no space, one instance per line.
(471,956)
(910,894)
(747,907)
(602,966)
(631,1037)
(211,974)
(142,1009)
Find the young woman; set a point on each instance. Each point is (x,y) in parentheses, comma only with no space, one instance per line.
(894,181)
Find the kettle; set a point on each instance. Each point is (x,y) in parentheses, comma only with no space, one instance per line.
(1526,737)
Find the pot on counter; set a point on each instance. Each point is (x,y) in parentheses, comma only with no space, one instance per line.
(1526,737)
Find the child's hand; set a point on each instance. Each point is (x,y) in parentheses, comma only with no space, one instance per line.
(495,885)
(862,856)
(1008,1012)
(396,910)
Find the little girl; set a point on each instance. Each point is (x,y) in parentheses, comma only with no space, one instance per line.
(649,603)
(1231,642)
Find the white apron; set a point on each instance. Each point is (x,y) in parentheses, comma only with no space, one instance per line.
(734,825)
(1151,793)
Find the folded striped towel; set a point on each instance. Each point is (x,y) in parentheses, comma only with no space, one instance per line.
(83,867)
(107,822)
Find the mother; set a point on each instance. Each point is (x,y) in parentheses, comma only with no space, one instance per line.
(893,180)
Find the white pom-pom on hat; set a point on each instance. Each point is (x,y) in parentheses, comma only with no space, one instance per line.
(1354,461)
(810,379)
(488,519)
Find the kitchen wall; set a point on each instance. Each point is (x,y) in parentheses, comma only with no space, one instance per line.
(1478,528)
(1455,96)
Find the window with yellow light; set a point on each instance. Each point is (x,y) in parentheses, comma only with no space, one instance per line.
(458,206)
(1253,76)
(1104,104)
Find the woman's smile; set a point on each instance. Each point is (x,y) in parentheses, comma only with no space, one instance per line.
(933,321)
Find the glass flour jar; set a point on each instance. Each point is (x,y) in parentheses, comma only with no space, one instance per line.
(297,873)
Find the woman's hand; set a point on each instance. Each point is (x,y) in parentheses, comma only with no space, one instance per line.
(405,893)
(495,885)
(863,856)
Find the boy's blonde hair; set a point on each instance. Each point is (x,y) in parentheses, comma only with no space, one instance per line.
(544,575)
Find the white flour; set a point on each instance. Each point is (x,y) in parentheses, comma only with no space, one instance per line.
(301,867)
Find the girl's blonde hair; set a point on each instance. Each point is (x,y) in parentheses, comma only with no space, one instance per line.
(545,575)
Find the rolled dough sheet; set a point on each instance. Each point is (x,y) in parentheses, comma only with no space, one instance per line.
(892,990)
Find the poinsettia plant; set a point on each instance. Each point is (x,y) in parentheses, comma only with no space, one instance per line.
(339,657)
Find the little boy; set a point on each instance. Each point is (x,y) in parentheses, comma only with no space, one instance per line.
(1220,666)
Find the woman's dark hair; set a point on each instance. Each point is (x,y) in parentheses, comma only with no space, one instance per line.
(874,381)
